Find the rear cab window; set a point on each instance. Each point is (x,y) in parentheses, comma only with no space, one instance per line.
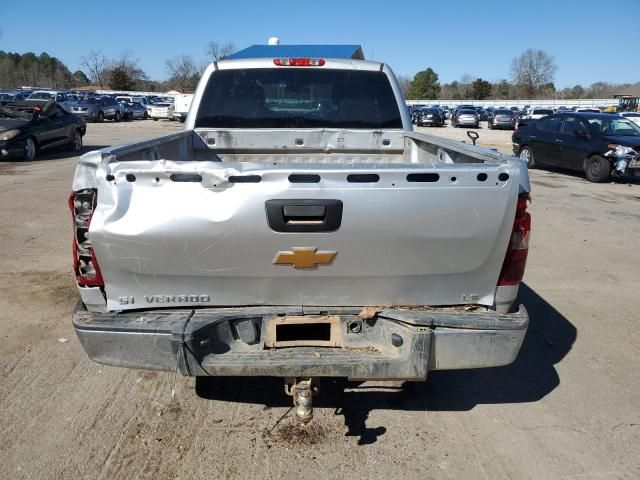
(298,98)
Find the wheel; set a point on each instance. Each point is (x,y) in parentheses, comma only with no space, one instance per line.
(155,119)
(30,150)
(100,117)
(76,142)
(597,169)
(118,117)
(526,155)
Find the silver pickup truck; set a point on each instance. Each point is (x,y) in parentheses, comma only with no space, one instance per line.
(299,228)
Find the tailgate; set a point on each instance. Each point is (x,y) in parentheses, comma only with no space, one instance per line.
(213,233)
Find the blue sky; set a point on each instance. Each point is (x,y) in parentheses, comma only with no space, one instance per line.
(454,37)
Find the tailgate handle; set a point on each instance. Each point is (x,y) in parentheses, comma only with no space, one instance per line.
(304,215)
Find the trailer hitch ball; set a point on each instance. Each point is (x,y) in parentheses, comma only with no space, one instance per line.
(302,392)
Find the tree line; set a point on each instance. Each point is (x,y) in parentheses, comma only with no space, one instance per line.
(120,73)
(124,73)
(532,77)
(41,70)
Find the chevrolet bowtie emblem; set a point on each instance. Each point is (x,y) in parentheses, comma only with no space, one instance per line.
(304,257)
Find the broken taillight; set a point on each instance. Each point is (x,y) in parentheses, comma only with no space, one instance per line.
(82,205)
(516,257)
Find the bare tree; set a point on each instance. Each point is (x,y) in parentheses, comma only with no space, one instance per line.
(217,51)
(405,85)
(129,66)
(465,85)
(97,65)
(184,72)
(533,71)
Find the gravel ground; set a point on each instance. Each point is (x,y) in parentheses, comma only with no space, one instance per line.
(568,408)
(498,139)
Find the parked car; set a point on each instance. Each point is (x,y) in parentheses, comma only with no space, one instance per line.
(431,117)
(482,113)
(502,118)
(139,111)
(19,96)
(229,257)
(465,117)
(50,95)
(414,112)
(126,110)
(133,99)
(27,128)
(576,141)
(538,113)
(98,109)
(633,116)
(161,110)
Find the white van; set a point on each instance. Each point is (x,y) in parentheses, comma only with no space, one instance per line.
(181,104)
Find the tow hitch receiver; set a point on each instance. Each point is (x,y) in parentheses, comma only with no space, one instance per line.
(302,392)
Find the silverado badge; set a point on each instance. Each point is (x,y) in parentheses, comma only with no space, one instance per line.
(304,257)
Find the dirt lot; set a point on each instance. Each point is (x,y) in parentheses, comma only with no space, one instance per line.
(568,408)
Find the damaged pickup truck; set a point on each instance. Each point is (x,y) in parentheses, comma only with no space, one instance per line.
(299,228)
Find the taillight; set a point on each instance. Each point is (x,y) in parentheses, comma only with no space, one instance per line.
(82,205)
(299,62)
(516,257)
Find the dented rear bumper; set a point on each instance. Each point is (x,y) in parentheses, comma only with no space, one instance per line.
(391,344)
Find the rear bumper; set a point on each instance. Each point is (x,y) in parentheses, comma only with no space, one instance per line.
(394,344)
(87,115)
(503,125)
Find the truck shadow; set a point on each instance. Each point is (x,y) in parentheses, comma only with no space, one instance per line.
(531,377)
